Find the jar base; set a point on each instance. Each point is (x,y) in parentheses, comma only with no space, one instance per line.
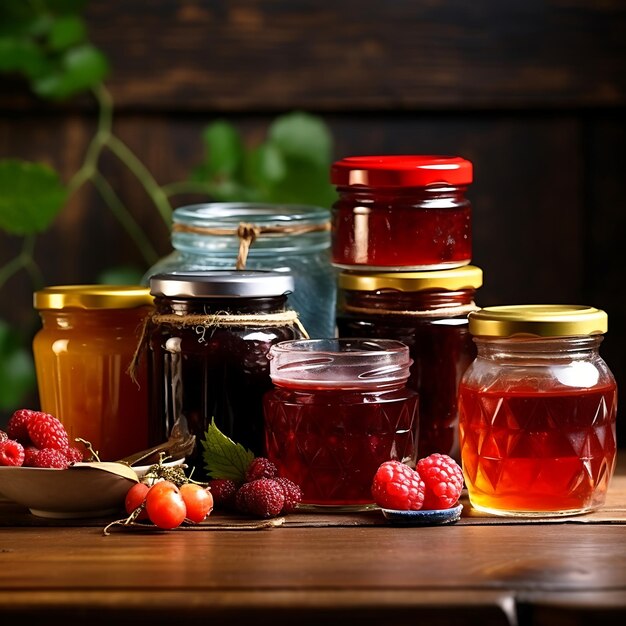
(358,267)
(534,514)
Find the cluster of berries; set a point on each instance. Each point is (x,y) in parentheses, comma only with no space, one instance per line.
(436,483)
(36,439)
(263,493)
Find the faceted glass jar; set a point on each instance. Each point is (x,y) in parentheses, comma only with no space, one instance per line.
(427,311)
(208,343)
(89,336)
(339,409)
(537,418)
(292,239)
(407,212)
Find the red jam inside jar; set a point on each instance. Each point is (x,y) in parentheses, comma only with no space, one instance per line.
(537,412)
(339,409)
(427,311)
(406,212)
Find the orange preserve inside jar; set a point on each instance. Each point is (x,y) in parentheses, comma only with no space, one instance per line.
(537,411)
(82,353)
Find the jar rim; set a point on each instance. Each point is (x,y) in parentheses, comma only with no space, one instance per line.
(346,363)
(542,320)
(94,296)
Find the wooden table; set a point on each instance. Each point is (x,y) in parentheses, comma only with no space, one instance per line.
(353,569)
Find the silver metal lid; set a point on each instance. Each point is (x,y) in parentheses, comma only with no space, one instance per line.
(221,284)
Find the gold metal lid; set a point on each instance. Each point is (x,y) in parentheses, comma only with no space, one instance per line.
(466,277)
(543,320)
(92,297)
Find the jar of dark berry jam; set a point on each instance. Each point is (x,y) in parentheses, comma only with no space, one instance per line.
(427,311)
(406,212)
(537,411)
(339,409)
(208,343)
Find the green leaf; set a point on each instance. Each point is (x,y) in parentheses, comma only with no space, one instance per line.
(121,275)
(31,196)
(302,136)
(81,68)
(67,31)
(224,149)
(17,371)
(22,56)
(265,165)
(223,458)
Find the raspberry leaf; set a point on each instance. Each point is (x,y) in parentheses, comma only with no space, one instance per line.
(223,458)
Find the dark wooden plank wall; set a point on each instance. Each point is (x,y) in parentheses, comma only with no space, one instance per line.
(533,92)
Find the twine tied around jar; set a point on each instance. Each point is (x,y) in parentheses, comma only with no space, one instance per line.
(248,233)
(448,311)
(202,322)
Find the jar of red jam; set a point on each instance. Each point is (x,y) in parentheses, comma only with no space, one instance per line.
(537,411)
(82,354)
(339,409)
(208,343)
(406,212)
(427,311)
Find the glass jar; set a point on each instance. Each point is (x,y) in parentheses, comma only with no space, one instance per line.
(82,354)
(208,342)
(427,311)
(537,411)
(339,409)
(290,239)
(406,212)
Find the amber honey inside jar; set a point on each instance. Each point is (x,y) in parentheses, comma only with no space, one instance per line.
(82,354)
(537,411)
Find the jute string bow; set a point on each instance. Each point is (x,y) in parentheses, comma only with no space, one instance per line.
(248,233)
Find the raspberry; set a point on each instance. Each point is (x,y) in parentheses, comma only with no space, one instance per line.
(46,431)
(51,458)
(223,492)
(74,455)
(11,453)
(260,467)
(3,436)
(443,479)
(396,486)
(292,493)
(30,452)
(17,428)
(263,497)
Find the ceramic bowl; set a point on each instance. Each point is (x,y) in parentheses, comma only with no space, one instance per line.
(432,517)
(83,490)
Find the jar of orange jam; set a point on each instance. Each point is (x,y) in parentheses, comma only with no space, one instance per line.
(82,353)
(537,411)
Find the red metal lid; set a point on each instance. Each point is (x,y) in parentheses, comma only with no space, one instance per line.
(401,171)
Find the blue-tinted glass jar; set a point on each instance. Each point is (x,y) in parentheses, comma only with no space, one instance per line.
(284,238)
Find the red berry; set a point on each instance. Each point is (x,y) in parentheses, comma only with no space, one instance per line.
(165,506)
(135,498)
(396,486)
(443,478)
(3,436)
(260,467)
(17,428)
(223,492)
(74,455)
(198,501)
(46,431)
(30,452)
(51,458)
(292,493)
(11,453)
(263,497)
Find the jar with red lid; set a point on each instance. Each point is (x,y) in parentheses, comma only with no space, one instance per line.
(427,311)
(340,408)
(408,212)
(537,411)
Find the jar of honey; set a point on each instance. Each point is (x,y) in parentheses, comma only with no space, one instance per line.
(537,411)
(401,212)
(427,311)
(339,409)
(208,342)
(82,354)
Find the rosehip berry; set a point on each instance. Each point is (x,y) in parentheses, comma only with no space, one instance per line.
(165,506)
(198,501)
(135,498)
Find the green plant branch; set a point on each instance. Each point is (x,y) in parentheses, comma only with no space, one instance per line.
(143,174)
(178,188)
(24,260)
(125,218)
